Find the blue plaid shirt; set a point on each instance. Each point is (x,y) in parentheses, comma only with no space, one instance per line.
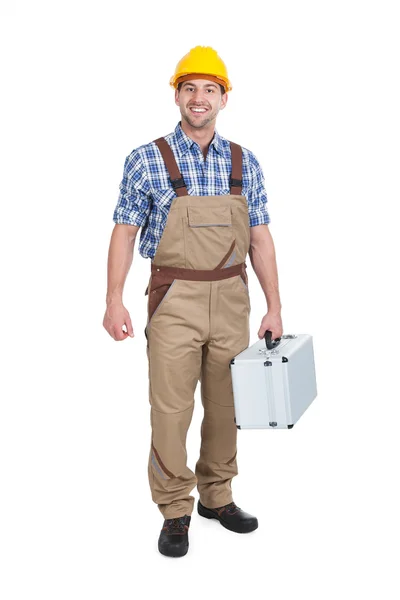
(146,192)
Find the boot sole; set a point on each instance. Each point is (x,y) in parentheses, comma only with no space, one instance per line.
(209,514)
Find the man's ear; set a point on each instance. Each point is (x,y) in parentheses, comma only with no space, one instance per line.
(177,97)
(224,100)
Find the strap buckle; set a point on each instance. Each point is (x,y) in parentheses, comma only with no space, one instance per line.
(235,182)
(178,183)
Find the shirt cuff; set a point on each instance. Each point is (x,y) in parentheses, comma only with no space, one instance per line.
(259,217)
(122,217)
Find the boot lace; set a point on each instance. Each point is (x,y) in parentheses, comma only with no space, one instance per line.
(230,508)
(176,525)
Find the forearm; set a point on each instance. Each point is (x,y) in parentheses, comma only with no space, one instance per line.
(120,256)
(263,260)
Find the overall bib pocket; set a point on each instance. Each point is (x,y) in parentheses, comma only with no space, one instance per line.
(208,227)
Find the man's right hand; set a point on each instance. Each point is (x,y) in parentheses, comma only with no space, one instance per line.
(115,317)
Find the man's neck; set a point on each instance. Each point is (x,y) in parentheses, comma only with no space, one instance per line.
(202,136)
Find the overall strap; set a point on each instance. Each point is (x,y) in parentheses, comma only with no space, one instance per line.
(235,180)
(174,174)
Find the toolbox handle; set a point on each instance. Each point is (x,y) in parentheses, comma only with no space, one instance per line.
(271,344)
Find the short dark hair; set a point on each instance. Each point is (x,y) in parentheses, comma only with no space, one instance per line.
(182,82)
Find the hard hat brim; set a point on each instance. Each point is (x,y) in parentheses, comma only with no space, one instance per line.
(226,84)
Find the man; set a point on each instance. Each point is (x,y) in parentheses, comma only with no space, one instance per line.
(202,205)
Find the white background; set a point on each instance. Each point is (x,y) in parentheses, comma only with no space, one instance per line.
(316,98)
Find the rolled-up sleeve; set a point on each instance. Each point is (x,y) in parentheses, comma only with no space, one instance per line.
(257,195)
(134,202)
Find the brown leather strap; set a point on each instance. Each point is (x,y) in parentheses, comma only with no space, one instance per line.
(219,266)
(169,159)
(237,169)
(165,275)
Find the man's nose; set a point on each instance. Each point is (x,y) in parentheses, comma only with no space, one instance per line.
(198,96)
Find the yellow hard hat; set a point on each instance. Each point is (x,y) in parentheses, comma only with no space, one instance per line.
(201,62)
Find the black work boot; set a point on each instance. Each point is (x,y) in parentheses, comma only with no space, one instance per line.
(230,516)
(174,536)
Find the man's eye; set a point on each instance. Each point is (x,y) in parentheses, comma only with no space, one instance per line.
(210,90)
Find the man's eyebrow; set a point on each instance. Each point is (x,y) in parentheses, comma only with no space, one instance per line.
(214,85)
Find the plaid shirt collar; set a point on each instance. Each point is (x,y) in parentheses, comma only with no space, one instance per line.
(184,142)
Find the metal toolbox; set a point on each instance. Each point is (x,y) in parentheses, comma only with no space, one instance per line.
(273,382)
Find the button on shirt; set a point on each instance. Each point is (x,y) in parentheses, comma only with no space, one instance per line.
(146,192)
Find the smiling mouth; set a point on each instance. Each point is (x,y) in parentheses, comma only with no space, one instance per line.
(198,110)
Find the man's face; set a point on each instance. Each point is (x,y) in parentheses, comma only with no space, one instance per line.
(200,101)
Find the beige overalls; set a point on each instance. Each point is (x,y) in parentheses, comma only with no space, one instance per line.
(198,320)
